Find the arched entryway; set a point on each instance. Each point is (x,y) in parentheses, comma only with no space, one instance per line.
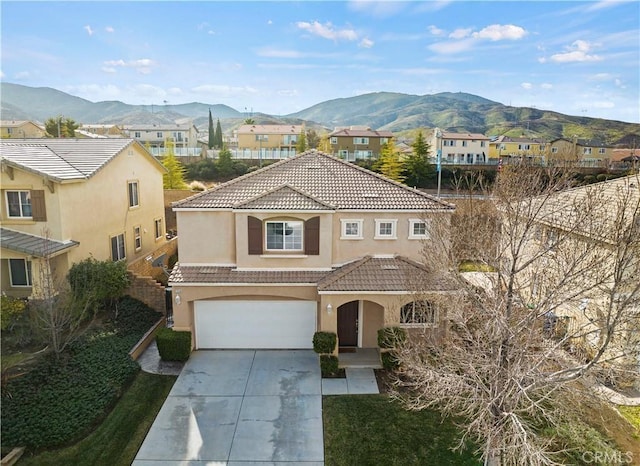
(358,322)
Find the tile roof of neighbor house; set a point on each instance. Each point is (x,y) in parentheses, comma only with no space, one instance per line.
(501,139)
(360,133)
(284,198)
(63,159)
(321,177)
(31,244)
(16,123)
(374,274)
(465,136)
(270,129)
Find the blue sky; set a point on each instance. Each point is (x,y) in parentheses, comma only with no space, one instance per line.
(578,58)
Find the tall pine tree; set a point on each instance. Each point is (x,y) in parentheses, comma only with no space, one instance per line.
(212,136)
(218,140)
(389,163)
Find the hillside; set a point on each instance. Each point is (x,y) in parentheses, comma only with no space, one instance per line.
(380,110)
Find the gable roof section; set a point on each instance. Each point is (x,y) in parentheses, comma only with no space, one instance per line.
(384,274)
(64,159)
(230,275)
(270,129)
(465,136)
(324,178)
(359,133)
(33,245)
(284,197)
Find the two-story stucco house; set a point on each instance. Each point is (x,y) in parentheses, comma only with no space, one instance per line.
(358,142)
(182,133)
(20,129)
(310,243)
(531,150)
(459,148)
(267,142)
(584,152)
(70,199)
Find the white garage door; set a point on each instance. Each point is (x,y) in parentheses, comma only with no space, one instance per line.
(255,324)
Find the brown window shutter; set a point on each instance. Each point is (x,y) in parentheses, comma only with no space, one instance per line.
(255,235)
(38,207)
(312,236)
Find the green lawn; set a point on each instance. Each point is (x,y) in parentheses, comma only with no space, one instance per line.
(373,430)
(116,440)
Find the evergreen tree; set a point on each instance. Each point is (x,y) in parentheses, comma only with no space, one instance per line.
(389,163)
(218,143)
(212,136)
(224,164)
(67,127)
(417,169)
(174,176)
(301,145)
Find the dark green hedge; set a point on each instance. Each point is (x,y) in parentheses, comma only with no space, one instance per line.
(172,345)
(324,342)
(391,337)
(389,360)
(59,400)
(328,365)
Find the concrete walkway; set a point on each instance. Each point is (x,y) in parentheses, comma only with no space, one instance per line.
(358,381)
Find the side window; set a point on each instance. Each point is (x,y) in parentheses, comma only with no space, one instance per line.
(385,229)
(118,248)
(418,229)
(137,238)
(134,200)
(19,204)
(158,228)
(20,272)
(351,229)
(419,314)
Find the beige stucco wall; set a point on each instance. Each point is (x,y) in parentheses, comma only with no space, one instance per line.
(211,237)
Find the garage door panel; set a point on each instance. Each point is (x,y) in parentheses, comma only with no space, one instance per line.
(255,324)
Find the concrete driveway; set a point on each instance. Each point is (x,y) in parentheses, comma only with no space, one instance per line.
(240,407)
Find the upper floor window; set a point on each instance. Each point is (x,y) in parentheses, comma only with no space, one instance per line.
(19,204)
(418,229)
(448,143)
(384,141)
(136,134)
(118,248)
(483,143)
(134,201)
(523,146)
(586,150)
(158,227)
(159,134)
(361,140)
(465,143)
(262,137)
(554,150)
(418,314)
(20,272)
(386,229)
(602,150)
(284,236)
(334,140)
(351,229)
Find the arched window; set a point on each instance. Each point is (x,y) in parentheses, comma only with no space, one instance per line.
(418,314)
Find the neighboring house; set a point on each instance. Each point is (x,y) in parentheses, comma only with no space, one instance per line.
(12,129)
(459,148)
(583,152)
(110,131)
(183,134)
(70,199)
(625,159)
(358,142)
(506,148)
(310,243)
(267,142)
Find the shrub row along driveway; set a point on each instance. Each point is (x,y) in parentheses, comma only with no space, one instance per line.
(241,406)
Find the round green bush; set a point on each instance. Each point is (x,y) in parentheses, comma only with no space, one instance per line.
(328,365)
(324,342)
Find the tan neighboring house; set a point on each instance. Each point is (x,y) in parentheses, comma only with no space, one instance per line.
(267,142)
(183,134)
(517,149)
(358,142)
(310,243)
(459,148)
(70,199)
(99,130)
(12,129)
(583,152)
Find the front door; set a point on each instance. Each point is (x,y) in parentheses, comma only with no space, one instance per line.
(348,324)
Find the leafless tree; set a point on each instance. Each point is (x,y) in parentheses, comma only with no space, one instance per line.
(557,302)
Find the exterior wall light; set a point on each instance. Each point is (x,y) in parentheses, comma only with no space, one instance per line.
(329,309)
(178,299)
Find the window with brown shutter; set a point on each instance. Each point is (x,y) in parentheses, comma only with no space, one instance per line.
(38,207)
(255,235)
(312,236)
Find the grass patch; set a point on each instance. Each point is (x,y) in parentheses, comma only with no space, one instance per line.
(373,429)
(470,266)
(117,440)
(631,414)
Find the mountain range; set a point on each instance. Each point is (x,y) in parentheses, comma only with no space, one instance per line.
(400,113)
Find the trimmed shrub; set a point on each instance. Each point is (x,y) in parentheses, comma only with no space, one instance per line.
(324,342)
(172,345)
(391,337)
(328,365)
(389,360)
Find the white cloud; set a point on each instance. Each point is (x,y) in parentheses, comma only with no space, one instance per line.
(327,31)
(366,43)
(619,83)
(142,65)
(527,86)
(109,29)
(1,74)
(109,69)
(288,93)
(95,92)
(501,32)
(460,33)
(269,22)
(88,29)
(452,46)
(546,86)
(436,31)
(576,52)
(601,77)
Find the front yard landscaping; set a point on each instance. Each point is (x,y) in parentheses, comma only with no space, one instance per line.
(373,429)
